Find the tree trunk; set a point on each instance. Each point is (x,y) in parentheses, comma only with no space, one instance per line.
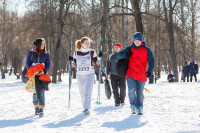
(104,26)
(138,15)
(170,29)
(126,26)
(58,44)
(63,11)
(193,8)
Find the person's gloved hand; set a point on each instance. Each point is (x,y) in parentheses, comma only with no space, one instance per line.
(148,74)
(71,58)
(100,54)
(129,53)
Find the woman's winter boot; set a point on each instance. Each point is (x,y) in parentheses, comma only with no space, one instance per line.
(36,105)
(41,107)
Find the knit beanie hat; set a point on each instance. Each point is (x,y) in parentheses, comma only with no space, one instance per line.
(138,36)
(37,41)
(118,45)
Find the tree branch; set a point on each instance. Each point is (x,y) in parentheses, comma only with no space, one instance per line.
(121,14)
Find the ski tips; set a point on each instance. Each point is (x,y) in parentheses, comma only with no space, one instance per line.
(99,103)
(147,91)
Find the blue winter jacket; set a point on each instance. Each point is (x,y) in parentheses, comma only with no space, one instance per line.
(43,58)
(193,68)
(186,70)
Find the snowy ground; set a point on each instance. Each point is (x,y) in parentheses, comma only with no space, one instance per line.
(169,107)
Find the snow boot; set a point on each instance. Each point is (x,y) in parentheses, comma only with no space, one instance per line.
(36,105)
(41,114)
(122,104)
(41,107)
(116,104)
(133,109)
(140,110)
(37,111)
(86,112)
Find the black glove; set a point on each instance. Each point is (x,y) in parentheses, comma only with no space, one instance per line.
(71,58)
(148,74)
(44,71)
(100,54)
(129,54)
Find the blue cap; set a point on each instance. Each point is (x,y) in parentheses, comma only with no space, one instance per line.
(138,36)
(191,59)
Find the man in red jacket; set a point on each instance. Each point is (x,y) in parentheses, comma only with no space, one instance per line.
(141,64)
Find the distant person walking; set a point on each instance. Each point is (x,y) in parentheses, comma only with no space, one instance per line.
(185,72)
(193,69)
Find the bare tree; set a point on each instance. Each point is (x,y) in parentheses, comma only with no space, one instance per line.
(170,29)
(138,15)
(64,6)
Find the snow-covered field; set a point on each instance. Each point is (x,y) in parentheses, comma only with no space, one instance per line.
(169,107)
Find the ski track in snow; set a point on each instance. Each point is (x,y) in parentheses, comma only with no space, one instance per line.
(168,108)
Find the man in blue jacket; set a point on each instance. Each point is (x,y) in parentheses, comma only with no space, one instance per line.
(193,69)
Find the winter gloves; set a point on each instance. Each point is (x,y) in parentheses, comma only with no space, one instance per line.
(100,54)
(129,53)
(71,58)
(148,74)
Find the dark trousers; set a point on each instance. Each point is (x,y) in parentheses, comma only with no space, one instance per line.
(185,76)
(39,86)
(195,77)
(118,82)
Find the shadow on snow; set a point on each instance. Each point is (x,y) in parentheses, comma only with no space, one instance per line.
(133,121)
(104,109)
(68,123)
(17,122)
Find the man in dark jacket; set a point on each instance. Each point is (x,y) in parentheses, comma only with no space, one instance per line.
(116,80)
(193,69)
(186,72)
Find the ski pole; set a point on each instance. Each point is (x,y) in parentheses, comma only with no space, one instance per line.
(70,71)
(99,85)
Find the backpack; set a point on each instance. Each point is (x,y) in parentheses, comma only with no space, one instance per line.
(107,88)
(24,77)
(122,66)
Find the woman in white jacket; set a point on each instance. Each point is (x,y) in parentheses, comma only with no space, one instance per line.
(84,59)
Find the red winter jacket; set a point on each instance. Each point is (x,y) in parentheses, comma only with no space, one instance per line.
(140,62)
